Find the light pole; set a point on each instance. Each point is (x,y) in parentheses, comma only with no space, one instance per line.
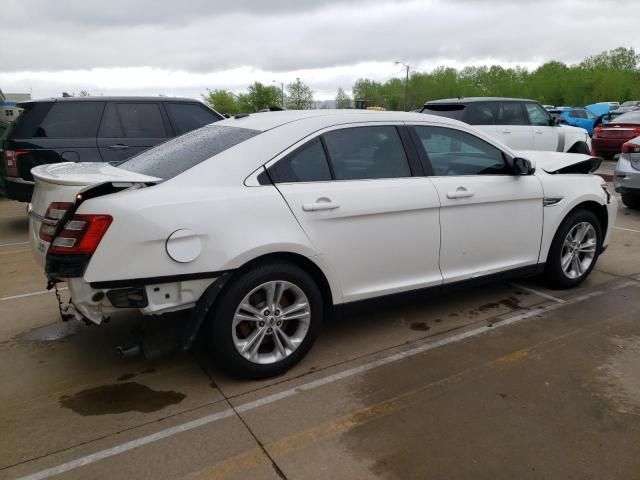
(406,82)
(281,90)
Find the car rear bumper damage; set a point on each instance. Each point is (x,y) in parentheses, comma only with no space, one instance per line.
(97,304)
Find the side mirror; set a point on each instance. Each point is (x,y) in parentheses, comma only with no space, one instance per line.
(522,166)
(554,122)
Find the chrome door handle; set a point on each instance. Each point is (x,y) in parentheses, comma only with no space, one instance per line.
(118,146)
(322,203)
(461,192)
(540,132)
(506,131)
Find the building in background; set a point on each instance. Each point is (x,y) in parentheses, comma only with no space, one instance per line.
(8,109)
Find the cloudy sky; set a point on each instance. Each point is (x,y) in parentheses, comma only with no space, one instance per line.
(184,47)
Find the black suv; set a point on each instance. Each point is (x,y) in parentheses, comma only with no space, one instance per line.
(92,129)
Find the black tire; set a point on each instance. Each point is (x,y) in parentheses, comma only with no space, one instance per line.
(580,148)
(631,201)
(555,276)
(220,319)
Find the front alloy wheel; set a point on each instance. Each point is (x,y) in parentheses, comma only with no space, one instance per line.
(271,322)
(579,250)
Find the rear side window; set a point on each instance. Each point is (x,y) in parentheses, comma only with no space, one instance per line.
(481,113)
(454,111)
(180,154)
(71,120)
(367,153)
(306,164)
(512,113)
(132,120)
(189,116)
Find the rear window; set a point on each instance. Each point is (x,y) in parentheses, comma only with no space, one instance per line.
(181,153)
(71,120)
(443,110)
(29,120)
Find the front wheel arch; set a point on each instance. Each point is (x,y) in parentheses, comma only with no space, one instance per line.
(580,147)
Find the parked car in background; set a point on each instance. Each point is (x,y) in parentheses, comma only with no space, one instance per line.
(244,221)
(578,117)
(548,107)
(3,128)
(631,103)
(614,114)
(626,178)
(608,139)
(520,124)
(92,129)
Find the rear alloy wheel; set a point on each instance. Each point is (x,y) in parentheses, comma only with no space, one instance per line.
(266,321)
(631,201)
(574,250)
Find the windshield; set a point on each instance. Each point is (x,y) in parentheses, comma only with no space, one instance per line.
(181,153)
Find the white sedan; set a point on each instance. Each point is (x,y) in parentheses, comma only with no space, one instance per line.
(261,224)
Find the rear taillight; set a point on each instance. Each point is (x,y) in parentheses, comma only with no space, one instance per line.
(54,214)
(597,130)
(81,234)
(561,120)
(11,162)
(630,148)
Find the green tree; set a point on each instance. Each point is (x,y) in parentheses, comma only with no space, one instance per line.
(342,99)
(258,97)
(221,100)
(299,96)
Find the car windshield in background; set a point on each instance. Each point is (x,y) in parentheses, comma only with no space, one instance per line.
(181,153)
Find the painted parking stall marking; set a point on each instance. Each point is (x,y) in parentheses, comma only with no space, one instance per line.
(291,392)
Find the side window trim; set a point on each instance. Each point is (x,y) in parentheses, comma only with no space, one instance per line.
(327,155)
(429,172)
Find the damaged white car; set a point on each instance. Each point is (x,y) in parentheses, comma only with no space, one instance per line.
(263,224)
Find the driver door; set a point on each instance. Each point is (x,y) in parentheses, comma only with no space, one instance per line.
(490,219)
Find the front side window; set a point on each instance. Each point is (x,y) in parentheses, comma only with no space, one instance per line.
(512,113)
(189,116)
(360,153)
(452,152)
(71,120)
(537,115)
(179,154)
(132,120)
(306,164)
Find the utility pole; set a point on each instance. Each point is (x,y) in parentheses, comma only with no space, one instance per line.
(406,83)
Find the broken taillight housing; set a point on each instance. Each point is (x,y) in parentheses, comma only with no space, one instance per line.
(81,234)
(54,214)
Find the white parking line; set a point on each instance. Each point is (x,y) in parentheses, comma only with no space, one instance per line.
(12,244)
(291,392)
(627,229)
(13,297)
(540,294)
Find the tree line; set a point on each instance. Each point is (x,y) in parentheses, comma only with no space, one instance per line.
(610,75)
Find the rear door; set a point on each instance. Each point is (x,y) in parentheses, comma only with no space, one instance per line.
(513,127)
(129,128)
(354,194)
(490,219)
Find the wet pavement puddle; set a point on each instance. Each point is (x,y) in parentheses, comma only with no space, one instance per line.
(120,398)
(53,332)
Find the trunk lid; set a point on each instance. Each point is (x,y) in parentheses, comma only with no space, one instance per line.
(61,183)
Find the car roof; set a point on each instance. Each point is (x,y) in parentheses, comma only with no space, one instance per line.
(463,100)
(111,99)
(326,118)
